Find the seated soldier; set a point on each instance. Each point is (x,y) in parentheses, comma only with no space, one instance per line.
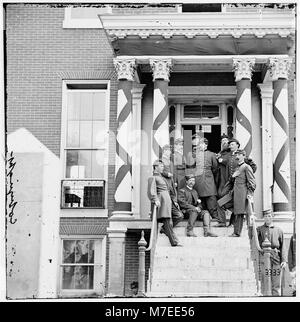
(191,205)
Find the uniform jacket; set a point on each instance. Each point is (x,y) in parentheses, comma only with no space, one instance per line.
(159,190)
(276,237)
(168,176)
(205,172)
(187,199)
(222,171)
(179,167)
(244,184)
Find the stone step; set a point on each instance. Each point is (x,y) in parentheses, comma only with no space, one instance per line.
(210,273)
(174,287)
(190,262)
(200,251)
(225,243)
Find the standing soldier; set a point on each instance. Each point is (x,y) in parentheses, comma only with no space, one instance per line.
(179,162)
(191,204)
(278,253)
(231,163)
(224,154)
(167,174)
(158,193)
(205,173)
(243,188)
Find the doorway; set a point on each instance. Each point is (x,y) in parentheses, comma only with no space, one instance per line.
(211,132)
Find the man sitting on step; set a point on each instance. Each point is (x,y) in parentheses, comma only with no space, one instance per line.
(190,204)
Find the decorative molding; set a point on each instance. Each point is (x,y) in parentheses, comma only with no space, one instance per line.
(161,68)
(279,67)
(266,91)
(190,25)
(125,68)
(243,68)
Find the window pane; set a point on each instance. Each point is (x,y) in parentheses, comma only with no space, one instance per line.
(78,164)
(73,106)
(99,134)
(98,164)
(99,104)
(69,251)
(68,277)
(91,251)
(82,277)
(73,134)
(86,134)
(86,106)
(82,251)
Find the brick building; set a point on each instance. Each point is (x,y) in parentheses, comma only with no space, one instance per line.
(81,79)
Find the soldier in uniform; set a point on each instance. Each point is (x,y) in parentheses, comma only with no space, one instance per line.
(179,162)
(206,167)
(224,154)
(167,174)
(243,188)
(230,163)
(191,204)
(278,254)
(158,194)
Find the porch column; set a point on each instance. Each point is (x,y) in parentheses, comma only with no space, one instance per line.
(243,72)
(161,71)
(123,180)
(177,122)
(279,69)
(266,92)
(137,93)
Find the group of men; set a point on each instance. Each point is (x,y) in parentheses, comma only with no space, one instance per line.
(191,186)
(196,186)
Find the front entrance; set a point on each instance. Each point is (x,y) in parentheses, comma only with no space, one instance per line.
(211,132)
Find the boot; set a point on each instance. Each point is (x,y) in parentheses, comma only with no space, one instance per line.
(208,233)
(190,233)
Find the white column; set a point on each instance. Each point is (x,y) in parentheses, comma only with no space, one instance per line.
(243,73)
(279,70)
(266,92)
(137,93)
(177,122)
(123,181)
(161,71)
(223,108)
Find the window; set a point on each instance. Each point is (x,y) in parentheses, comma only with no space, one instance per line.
(206,7)
(82,266)
(201,111)
(85,17)
(85,145)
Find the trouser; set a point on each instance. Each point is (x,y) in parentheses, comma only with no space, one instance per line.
(168,229)
(275,279)
(193,214)
(238,225)
(177,215)
(210,203)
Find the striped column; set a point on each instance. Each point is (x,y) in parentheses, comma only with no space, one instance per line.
(161,71)
(123,167)
(243,72)
(279,69)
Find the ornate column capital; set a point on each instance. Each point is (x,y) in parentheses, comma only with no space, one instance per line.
(279,68)
(161,68)
(243,68)
(125,68)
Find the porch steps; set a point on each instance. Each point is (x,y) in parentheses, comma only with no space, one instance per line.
(204,266)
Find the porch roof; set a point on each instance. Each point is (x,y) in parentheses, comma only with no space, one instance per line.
(229,33)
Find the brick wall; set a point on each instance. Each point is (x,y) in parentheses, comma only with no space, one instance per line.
(40,54)
(132,259)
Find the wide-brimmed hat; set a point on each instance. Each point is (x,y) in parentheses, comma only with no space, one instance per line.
(189,176)
(234,140)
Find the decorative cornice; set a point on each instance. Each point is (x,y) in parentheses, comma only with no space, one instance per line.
(243,68)
(279,68)
(233,24)
(125,68)
(161,68)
